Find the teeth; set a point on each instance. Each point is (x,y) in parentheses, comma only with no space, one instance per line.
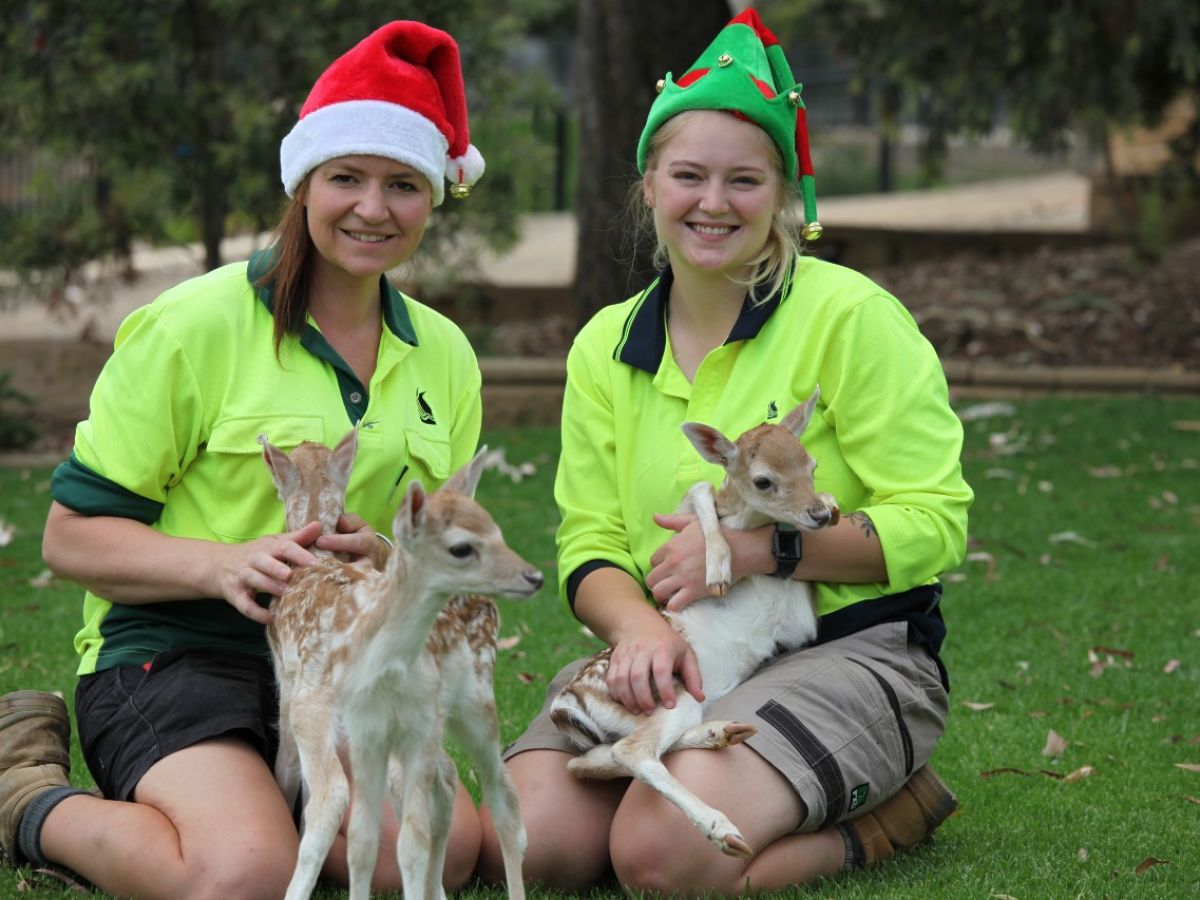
(368,238)
(713,229)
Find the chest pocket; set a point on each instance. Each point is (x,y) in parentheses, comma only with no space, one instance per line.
(234,481)
(429,458)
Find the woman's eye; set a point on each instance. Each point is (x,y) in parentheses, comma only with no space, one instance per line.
(461,551)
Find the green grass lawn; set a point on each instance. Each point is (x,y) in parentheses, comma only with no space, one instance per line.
(1075,613)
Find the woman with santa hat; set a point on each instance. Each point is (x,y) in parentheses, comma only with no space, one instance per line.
(167,516)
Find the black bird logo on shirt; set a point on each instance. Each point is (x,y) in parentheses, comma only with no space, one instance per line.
(424,410)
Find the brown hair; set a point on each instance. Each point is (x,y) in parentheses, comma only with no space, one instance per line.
(772,267)
(292,250)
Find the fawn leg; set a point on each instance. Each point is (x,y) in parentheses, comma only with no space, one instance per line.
(714,735)
(480,737)
(368,764)
(718,561)
(415,845)
(640,753)
(328,794)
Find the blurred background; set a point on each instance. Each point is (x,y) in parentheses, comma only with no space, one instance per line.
(1023,175)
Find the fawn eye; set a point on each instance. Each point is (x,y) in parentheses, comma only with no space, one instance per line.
(461,551)
(762,483)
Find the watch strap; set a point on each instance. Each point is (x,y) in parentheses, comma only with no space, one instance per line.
(788,548)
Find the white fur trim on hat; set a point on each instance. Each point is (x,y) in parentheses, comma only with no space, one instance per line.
(367,128)
(465,169)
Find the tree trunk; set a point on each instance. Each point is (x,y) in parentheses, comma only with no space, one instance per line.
(624,48)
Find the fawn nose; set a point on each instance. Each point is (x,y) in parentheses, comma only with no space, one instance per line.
(820,516)
(534,577)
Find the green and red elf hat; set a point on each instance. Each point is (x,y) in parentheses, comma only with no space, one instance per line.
(744,72)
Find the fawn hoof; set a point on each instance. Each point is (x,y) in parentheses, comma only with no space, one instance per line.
(736,732)
(718,589)
(733,844)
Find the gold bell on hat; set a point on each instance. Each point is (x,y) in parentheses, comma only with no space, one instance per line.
(812,231)
(724,60)
(794,98)
(662,83)
(460,191)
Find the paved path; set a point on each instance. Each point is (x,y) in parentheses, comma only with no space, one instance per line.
(544,256)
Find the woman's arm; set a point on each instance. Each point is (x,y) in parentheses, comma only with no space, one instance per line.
(848,552)
(127,562)
(647,653)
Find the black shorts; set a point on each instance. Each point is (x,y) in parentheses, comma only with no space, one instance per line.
(130,717)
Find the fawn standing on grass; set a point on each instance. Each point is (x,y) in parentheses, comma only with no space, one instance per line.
(385,658)
(768,478)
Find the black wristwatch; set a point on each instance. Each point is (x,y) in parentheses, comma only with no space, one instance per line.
(786,545)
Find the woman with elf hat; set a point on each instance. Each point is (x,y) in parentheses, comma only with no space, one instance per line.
(738,329)
(168,517)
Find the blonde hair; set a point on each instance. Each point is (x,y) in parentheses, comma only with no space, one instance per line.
(771,268)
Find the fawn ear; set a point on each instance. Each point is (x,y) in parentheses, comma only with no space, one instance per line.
(411,514)
(341,460)
(797,420)
(466,479)
(283,470)
(713,445)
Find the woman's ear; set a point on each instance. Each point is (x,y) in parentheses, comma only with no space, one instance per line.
(647,192)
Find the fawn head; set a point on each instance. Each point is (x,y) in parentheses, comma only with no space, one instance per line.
(456,544)
(311,481)
(768,470)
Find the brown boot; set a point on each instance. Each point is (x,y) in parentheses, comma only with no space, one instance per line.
(35,740)
(900,822)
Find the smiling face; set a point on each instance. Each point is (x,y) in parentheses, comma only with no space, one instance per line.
(366,214)
(714,187)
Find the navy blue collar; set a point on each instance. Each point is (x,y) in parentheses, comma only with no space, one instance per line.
(644,336)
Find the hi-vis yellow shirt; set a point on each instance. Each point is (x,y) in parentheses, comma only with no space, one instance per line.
(172,436)
(884,436)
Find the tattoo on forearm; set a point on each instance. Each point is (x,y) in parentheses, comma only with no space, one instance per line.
(864,522)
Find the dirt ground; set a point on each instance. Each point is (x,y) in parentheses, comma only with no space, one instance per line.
(1099,306)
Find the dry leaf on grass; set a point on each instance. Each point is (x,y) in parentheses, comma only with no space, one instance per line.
(1171,666)
(977,707)
(1148,862)
(1071,537)
(507,643)
(43,580)
(1083,854)
(527,677)
(1188,767)
(1105,472)
(1192,799)
(1055,745)
(1079,774)
(987,558)
(1183,425)
(7,530)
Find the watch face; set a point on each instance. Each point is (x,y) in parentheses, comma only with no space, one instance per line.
(787,545)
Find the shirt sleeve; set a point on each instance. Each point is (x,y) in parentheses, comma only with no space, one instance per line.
(888,403)
(143,426)
(593,527)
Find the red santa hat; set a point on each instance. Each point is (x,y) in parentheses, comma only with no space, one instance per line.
(397,94)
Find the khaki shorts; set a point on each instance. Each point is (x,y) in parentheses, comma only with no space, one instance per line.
(846,722)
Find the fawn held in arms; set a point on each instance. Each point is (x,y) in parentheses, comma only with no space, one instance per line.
(768,478)
(388,658)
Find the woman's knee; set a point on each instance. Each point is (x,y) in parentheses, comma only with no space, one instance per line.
(566,824)
(256,873)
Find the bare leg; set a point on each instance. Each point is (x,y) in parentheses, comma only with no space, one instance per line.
(567,822)
(209,820)
(656,849)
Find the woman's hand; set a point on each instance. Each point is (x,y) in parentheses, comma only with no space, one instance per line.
(642,669)
(265,566)
(357,539)
(678,576)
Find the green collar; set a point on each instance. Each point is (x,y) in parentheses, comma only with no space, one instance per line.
(395,310)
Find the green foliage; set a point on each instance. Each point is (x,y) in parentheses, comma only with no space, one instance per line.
(1077,595)
(192,97)
(1050,69)
(16,429)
